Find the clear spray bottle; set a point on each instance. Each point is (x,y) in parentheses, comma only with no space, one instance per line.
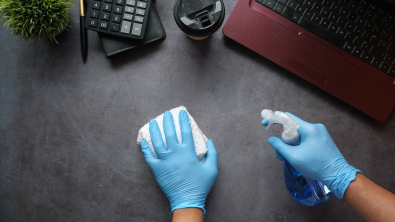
(304,190)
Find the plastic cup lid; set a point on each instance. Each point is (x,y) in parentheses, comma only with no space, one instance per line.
(199,17)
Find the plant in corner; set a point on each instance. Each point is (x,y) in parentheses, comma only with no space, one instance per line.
(36,19)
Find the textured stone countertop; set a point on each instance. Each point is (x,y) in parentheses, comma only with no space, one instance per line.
(68,130)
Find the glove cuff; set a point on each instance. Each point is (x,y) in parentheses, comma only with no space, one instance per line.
(340,184)
(188,205)
(338,176)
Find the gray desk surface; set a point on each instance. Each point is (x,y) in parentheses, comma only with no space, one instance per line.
(68,130)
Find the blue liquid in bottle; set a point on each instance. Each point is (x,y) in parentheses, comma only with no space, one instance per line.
(304,190)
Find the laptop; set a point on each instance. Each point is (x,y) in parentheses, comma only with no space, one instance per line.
(345,47)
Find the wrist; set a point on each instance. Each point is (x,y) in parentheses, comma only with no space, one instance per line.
(339,175)
(188,214)
(188,205)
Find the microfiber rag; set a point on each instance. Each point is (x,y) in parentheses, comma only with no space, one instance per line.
(199,138)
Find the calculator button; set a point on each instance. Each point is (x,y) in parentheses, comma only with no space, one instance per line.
(141,4)
(127,16)
(96,5)
(119,2)
(93,22)
(108,1)
(136,29)
(117,9)
(129,9)
(107,7)
(126,27)
(116,18)
(114,27)
(105,16)
(138,19)
(94,14)
(131,2)
(103,25)
(140,11)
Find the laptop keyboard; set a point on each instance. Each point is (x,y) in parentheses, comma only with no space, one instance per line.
(355,26)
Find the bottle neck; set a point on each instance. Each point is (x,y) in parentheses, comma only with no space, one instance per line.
(293,141)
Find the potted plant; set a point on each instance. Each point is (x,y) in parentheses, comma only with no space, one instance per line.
(36,19)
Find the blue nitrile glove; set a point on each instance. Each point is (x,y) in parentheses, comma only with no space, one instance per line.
(317,157)
(184,180)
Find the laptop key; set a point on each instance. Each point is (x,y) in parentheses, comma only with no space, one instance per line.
(342,22)
(361,21)
(269,3)
(317,19)
(288,13)
(390,59)
(392,71)
(317,8)
(358,42)
(384,45)
(333,17)
(300,9)
(350,26)
(367,46)
(387,36)
(376,62)
(357,52)
(333,28)
(325,23)
(325,34)
(309,4)
(296,17)
(308,14)
(359,31)
(349,48)
(291,4)
(377,52)
(374,40)
(386,24)
(341,33)
(366,57)
(325,12)
(352,6)
(278,8)
(385,67)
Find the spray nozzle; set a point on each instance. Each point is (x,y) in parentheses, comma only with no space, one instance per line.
(290,125)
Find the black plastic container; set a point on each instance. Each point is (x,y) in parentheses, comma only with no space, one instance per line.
(199,18)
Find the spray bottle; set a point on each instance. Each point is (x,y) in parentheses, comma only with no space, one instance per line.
(304,190)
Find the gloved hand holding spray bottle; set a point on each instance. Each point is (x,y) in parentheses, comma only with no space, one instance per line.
(304,190)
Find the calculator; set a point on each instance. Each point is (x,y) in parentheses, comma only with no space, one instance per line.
(125,18)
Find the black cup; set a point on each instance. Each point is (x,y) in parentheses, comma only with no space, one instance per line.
(199,18)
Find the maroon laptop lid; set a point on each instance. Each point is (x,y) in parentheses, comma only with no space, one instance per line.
(312,58)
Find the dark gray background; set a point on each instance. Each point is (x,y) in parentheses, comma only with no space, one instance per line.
(68,130)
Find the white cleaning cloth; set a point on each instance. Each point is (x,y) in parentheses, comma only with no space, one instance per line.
(198,137)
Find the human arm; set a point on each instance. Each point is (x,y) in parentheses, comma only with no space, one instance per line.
(318,158)
(184,180)
(370,200)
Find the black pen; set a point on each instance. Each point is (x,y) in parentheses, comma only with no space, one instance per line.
(83,33)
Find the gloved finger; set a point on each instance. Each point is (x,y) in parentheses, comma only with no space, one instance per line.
(282,148)
(304,126)
(156,138)
(149,156)
(186,130)
(169,129)
(211,155)
(278,156)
